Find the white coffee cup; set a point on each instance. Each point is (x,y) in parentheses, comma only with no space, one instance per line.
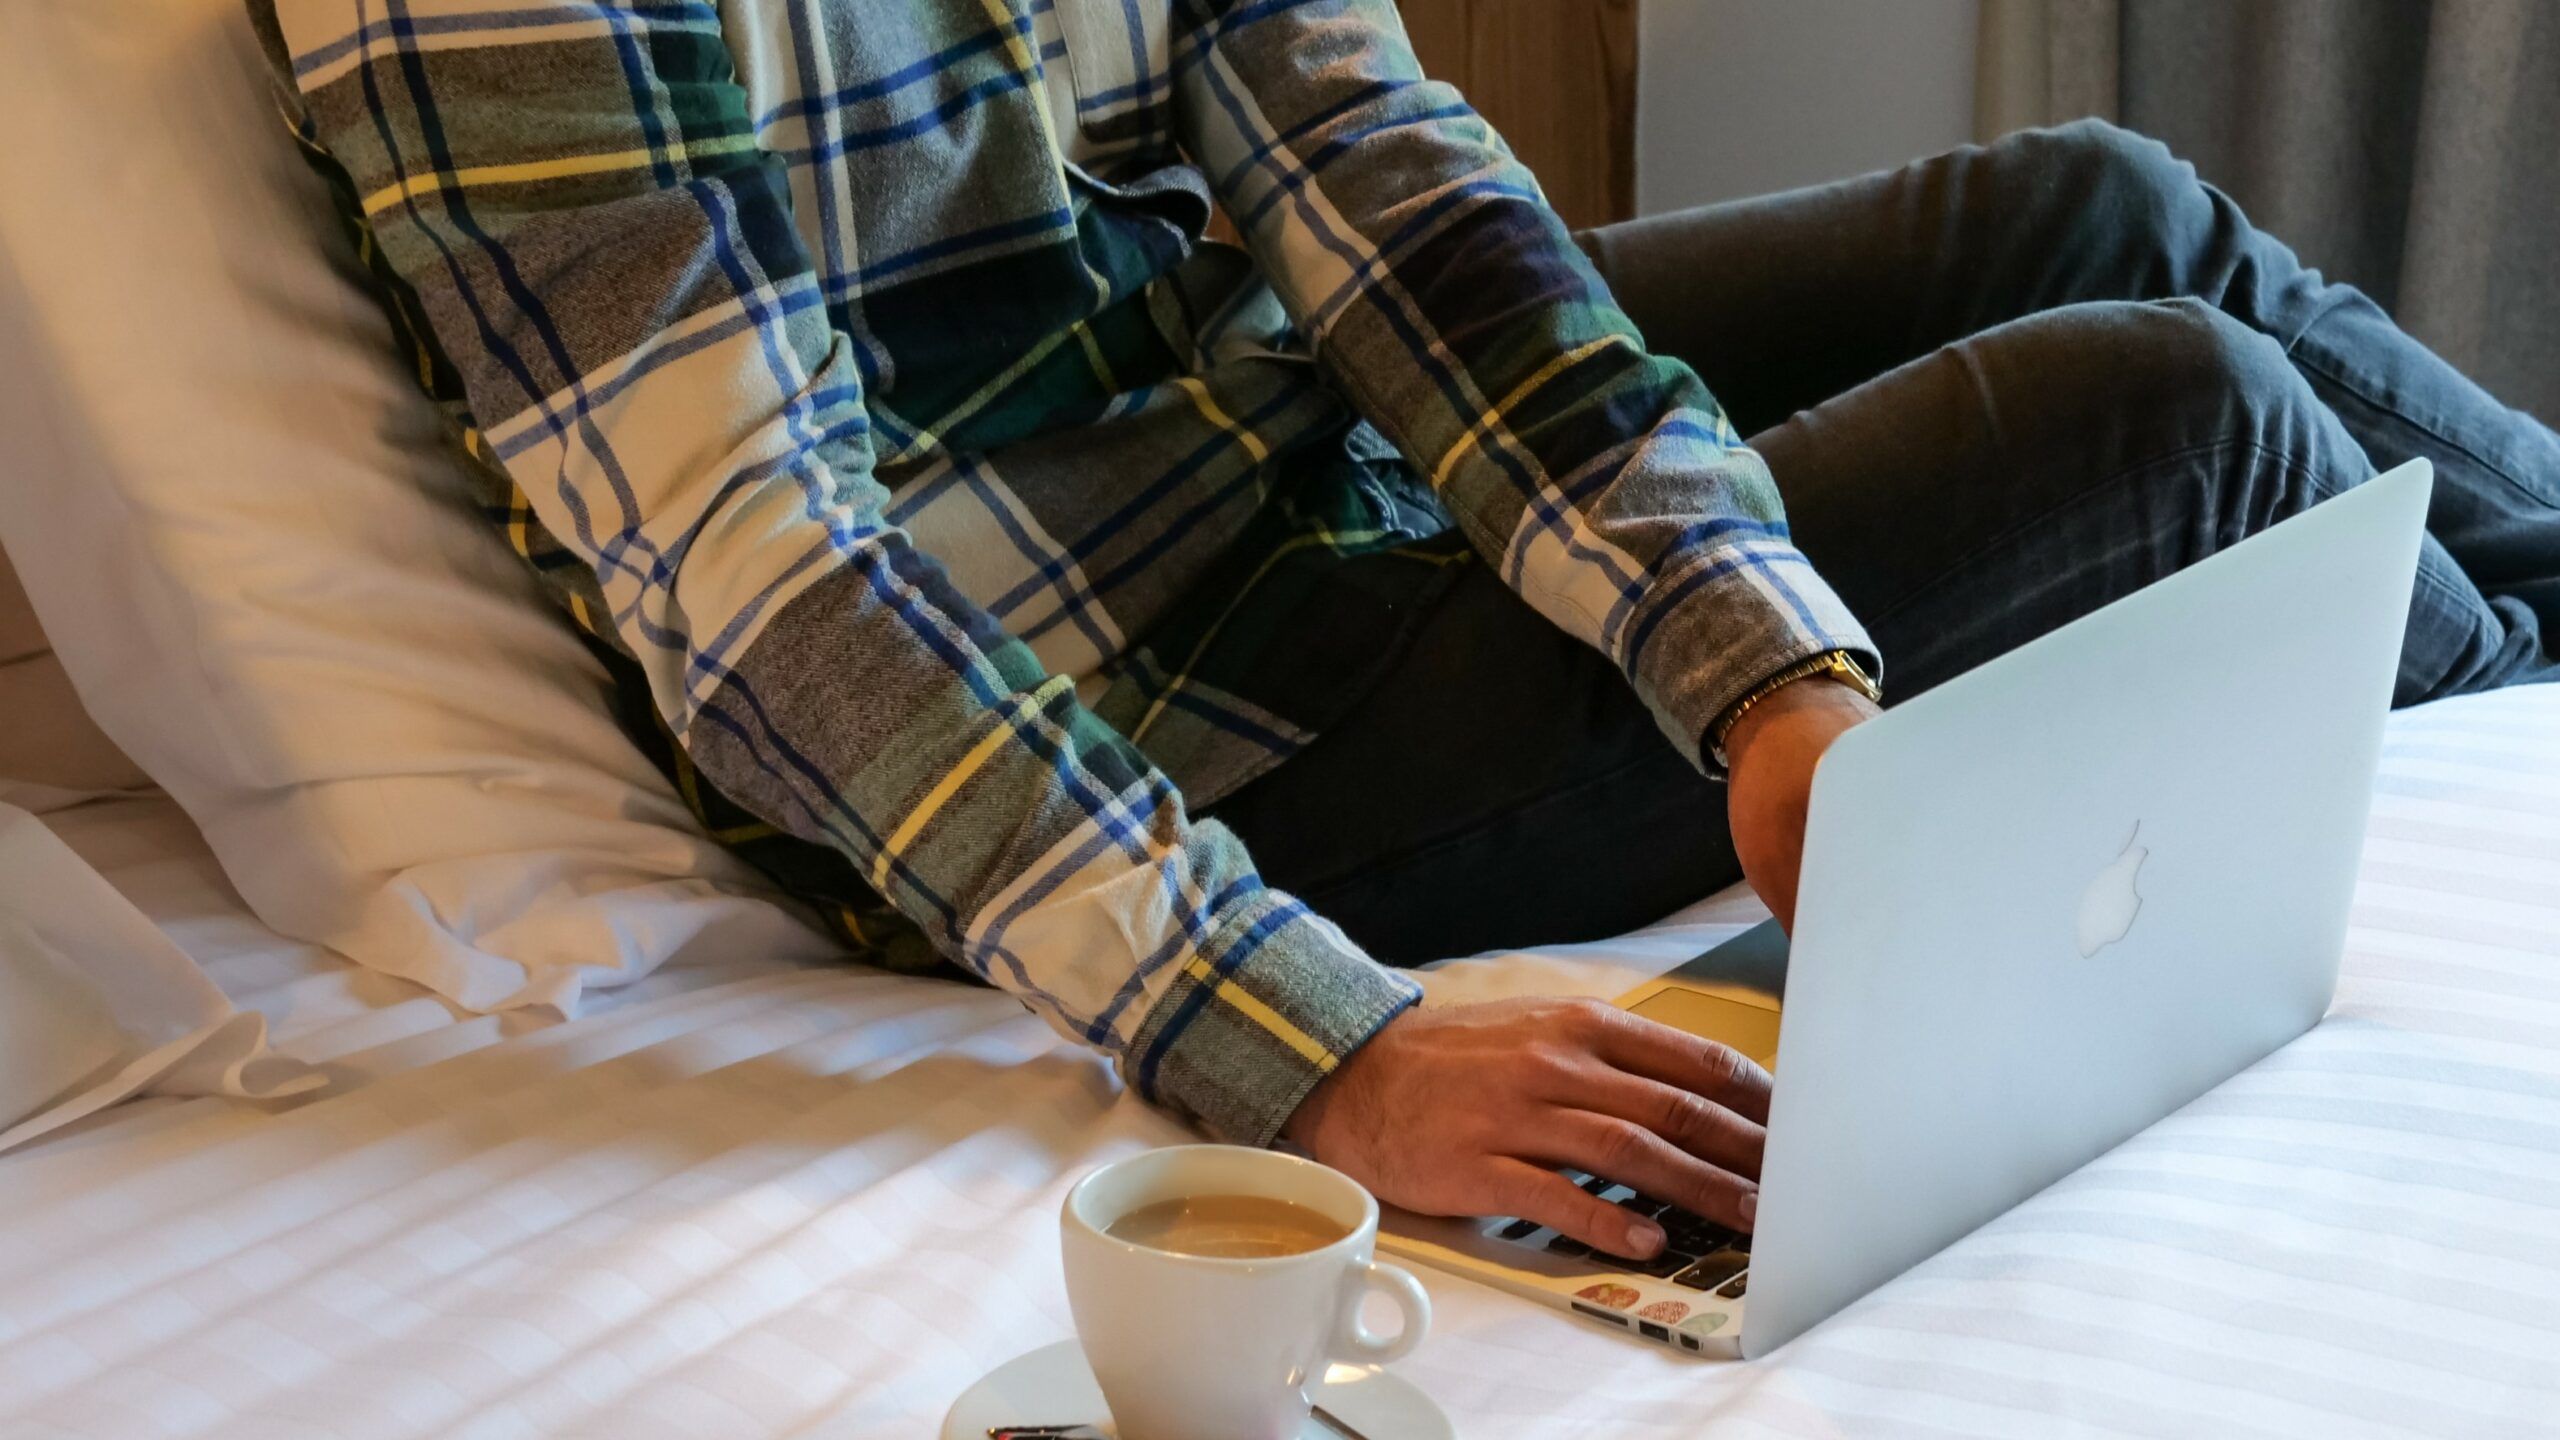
(1197,1347)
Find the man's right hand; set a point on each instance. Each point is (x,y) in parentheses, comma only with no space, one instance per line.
(1471,1109)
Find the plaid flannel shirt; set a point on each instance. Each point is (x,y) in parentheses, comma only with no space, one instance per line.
(857,372)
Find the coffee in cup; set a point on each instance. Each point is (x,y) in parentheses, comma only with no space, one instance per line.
(1227,1227)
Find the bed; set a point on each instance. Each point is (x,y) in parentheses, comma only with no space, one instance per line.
(747,1198)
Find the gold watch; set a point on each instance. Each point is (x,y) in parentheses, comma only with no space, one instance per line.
(1837,665)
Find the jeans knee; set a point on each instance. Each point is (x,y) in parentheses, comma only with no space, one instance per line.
(2192,356)
(2122,164)
(2157,381)
(2227,395)
(2127,182)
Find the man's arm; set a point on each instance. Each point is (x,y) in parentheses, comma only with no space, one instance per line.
(1606,485)
(1445,297)
(643,343)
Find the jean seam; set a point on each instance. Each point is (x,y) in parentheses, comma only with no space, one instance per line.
(2375,404)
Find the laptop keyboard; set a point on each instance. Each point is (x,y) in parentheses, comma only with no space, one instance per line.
(1697,1252)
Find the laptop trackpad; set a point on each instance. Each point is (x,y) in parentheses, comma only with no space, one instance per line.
(1751,1029)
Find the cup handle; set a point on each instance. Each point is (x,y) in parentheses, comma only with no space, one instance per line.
(1353,1340)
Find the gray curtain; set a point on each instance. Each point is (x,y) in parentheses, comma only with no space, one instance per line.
(2410,147)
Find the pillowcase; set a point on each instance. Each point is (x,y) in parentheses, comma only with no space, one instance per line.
(51,753)
(237,515)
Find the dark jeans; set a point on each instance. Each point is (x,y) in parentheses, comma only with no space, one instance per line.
(1999,389)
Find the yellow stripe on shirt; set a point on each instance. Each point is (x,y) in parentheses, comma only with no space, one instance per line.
(970,764)
(1251,1006)
(1208,408)
(1478,431)
(412,187)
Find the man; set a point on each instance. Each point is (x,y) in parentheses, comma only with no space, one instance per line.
(1167,630)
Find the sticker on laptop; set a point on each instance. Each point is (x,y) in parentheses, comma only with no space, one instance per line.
(1614,1297)
(1669,1312)
(1706,1324)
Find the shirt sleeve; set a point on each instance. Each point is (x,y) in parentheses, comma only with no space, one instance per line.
(607,259)
(1447,300)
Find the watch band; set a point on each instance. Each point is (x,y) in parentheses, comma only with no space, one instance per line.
(1837,665)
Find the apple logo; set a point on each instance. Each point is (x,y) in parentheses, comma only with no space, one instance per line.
(2109,905)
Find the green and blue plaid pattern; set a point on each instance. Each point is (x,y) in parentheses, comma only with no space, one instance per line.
(858,373)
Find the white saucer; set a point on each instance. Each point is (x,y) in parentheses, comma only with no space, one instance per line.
(1053,1386)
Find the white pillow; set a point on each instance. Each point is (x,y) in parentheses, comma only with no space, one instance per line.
(51,753)
(238,519)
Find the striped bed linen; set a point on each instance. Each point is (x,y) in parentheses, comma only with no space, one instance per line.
(822,1203)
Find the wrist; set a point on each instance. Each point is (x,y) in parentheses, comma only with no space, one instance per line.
(1816,702)
(1308,1121)
(1317,1104)
(1788,689)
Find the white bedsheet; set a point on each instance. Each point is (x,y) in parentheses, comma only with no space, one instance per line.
(822,1202)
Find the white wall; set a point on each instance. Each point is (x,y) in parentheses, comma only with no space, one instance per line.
(1741,97)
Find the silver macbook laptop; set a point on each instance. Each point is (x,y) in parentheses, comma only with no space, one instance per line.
(2042,906)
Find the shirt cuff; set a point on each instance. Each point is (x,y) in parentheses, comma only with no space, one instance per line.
(1275,1000)
(1726,620)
